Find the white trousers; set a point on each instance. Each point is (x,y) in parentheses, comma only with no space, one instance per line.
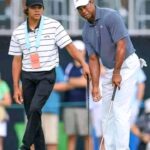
(96,117)
(116,127)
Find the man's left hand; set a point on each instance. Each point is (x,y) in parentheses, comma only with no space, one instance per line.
(116,80)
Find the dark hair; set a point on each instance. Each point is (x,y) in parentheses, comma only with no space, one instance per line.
(26,11)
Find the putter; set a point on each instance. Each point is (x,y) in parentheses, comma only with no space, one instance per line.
(87,102)
(110,107)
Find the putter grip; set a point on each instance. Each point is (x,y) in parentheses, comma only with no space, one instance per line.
(88,81)
(114,92)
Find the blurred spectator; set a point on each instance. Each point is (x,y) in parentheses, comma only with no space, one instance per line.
(50,111)
(5,100)
(137,98)
(142,127)
(136,102)
(8,8)
(5,13)
(124,10)
(75,113)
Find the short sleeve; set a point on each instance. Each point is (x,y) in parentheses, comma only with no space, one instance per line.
(116,26)
(62,38)
(14,48)
(68,70)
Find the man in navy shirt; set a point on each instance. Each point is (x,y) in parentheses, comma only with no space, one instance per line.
(107,38)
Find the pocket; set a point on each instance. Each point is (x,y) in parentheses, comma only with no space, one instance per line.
(132,62)
(47,83)
(51,76)
(45,87)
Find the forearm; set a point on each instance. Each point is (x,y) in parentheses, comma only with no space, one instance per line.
(16,70)
(78,82)
(2,103)
(75,53)
(140,91)
(120,56)
(61,87)
(94,65)
(145,137)
(136,131)
(6,101)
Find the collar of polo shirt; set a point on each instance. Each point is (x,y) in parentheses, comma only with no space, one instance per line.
(28,27)
(97,17)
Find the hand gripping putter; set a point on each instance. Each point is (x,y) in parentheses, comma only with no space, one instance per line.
(110,107)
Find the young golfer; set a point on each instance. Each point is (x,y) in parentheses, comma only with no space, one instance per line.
(34,45)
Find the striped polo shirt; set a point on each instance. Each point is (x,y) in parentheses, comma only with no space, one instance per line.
(52,36)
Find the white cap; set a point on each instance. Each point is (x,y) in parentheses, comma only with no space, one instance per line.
(78,3)
(79,45)
(147,105)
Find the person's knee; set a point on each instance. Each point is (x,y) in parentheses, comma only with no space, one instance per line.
(35,109)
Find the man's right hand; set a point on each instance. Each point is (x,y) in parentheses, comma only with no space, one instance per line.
(18,96)
(96,94)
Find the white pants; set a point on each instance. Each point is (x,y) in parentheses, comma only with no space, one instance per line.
(96,117)
(116,127)
(96,112)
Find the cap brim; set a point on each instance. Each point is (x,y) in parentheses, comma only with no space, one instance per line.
(33,4)
(81,4)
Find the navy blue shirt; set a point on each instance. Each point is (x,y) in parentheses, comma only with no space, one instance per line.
(75,97)
(102,36)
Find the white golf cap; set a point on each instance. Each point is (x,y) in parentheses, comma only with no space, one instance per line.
(79,45)
(78,3)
